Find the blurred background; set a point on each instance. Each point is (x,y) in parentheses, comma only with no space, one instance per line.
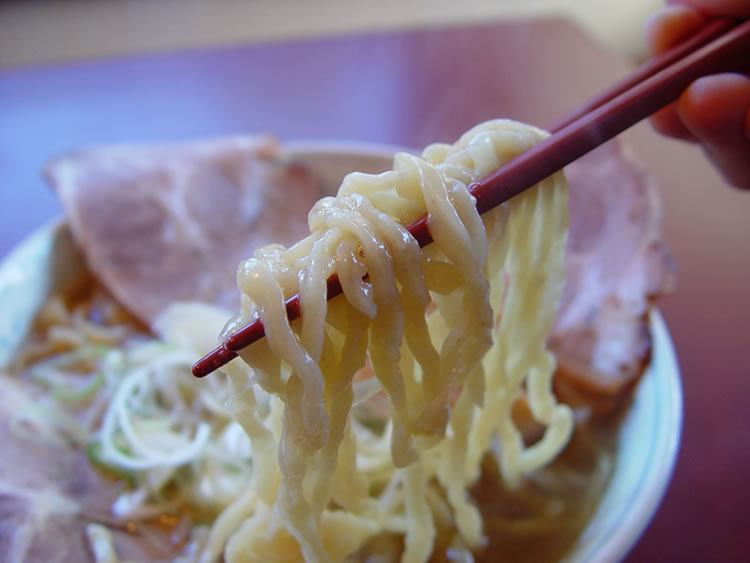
(404,72)
(38,32)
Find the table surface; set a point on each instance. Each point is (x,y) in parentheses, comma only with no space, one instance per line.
(411,88)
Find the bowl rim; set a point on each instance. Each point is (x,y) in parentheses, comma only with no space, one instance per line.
(660,393)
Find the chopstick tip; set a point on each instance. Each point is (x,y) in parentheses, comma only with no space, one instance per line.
(212,361)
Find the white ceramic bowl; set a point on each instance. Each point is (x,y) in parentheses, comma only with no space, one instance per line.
(48,262)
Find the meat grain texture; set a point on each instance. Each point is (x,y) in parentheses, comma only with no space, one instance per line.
(617,267)
(159,224)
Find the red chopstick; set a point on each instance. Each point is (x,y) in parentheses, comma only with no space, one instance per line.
(722,45)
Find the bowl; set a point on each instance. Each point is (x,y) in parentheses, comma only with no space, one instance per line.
(48,262)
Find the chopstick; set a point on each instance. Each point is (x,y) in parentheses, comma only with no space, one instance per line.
(720,46)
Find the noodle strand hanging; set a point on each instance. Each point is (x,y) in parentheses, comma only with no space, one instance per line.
(406,382)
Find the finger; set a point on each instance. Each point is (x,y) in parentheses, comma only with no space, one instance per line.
(664,29)
(667,122)
(716,110)
(670,26)
(717,8)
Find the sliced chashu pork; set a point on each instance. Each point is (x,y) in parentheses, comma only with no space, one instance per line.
(50,493)
(617,266)
(162,223)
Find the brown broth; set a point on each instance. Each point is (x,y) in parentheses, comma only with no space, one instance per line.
(536,522)
(542,523)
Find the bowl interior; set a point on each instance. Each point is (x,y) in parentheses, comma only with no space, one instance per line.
(48,262)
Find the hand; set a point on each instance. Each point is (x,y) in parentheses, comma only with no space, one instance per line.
(715,110)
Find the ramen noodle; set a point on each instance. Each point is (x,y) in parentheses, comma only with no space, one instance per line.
(451,377)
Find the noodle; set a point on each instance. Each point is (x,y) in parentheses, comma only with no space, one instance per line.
(451,376)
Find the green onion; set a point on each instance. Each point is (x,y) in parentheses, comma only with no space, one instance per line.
(94,454)
(67,394)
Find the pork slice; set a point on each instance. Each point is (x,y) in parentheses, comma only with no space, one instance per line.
(50,493)
(165,223)
(617,265)
(43,491)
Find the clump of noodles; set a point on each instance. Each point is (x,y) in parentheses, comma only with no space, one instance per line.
(454,335)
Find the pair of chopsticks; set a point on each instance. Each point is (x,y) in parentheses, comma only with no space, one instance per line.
(720,46)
